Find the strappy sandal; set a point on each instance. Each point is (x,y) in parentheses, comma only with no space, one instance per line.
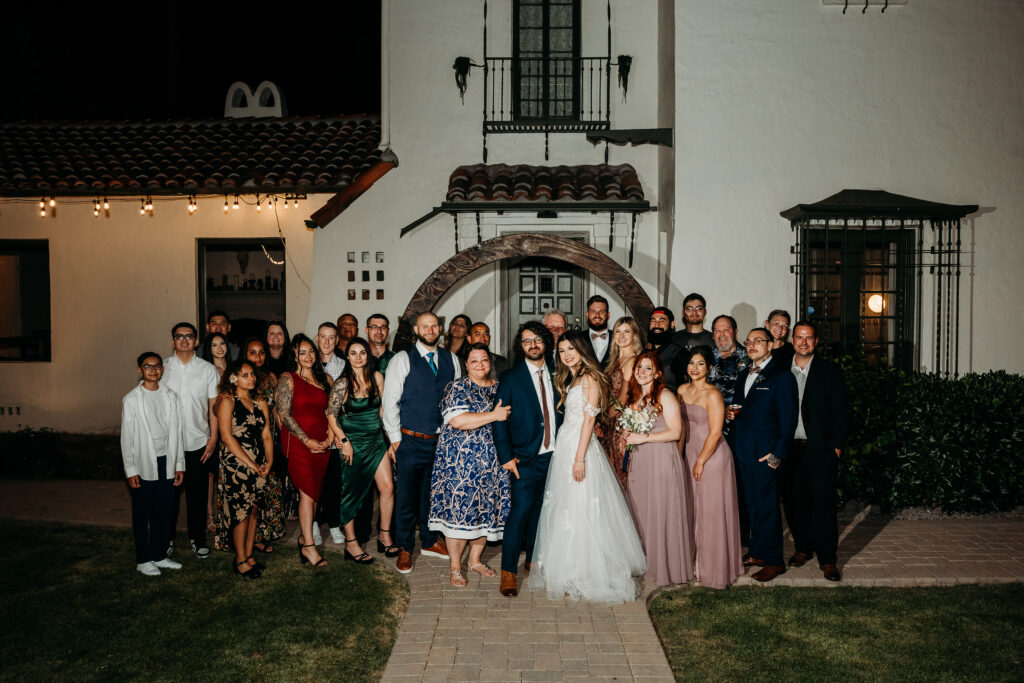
(257,565)
(210,526)
(303,559)
(362,558)
(482,569)
(263,547)
(388,550)
(456,578)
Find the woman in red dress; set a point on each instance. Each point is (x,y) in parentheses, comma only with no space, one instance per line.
(302,404)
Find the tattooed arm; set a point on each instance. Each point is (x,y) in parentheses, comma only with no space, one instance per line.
(283,403)
(334,403)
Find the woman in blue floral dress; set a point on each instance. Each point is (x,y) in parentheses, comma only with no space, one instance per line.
(469,492)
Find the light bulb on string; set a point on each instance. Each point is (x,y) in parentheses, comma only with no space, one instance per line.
(235,205)
(259,207)
(53,201)
(106,204)
(225,203)
(286,201)
(42,211)
(295,203)
(42,203)
(96,207)
(142,208)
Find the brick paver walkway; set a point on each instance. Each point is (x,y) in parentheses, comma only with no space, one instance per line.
(474,633)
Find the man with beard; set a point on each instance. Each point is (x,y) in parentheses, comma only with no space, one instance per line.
(413,389)
(660,328)
(730,358)
(480,333)
(597,321)
(377,329)
(693,334)
(348,328)
(525,442)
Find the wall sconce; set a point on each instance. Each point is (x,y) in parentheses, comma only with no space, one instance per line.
(876,303)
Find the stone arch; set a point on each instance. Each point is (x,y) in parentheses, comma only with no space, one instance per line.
(525,244)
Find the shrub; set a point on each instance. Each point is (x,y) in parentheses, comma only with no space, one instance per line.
(923,440)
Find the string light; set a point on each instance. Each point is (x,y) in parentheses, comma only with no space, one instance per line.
(235,205)
(42,208)
(295,203)
(96,208)
(259,208)
(269,258)
(286,201)
(42,203)
(142,208)
(192,206)
(106,204)
(53,201)
(225,203)
(149,204)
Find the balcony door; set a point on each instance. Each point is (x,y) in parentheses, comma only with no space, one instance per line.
(546,52)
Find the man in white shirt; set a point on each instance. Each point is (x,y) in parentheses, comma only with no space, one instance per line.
(413,388)
(195,383)
(151,448)
(326,341)
(597,322)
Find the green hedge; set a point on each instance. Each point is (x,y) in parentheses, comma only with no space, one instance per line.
(922,440)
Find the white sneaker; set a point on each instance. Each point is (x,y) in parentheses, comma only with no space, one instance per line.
(317,538)
(202,552)
(148,568)
(167,563)
(336,535)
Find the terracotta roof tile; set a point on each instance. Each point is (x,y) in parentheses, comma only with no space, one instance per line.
(187,157)
(502,182)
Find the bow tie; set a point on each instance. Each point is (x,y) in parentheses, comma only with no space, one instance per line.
(598,335)
(754,370)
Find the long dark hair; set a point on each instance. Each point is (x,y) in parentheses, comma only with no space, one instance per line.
(635,392)
(565,377)
(537,329)
(206,350)
(287,360)
(318,368)
(226,386)
(348,375)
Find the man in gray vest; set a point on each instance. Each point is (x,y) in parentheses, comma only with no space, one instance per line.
(413,388)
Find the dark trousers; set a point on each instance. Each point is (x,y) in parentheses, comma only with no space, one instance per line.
(809,499)
(744,517)
(330,500)
(151,513)
(761,492)
(415,459)
(196,491)
(524,515)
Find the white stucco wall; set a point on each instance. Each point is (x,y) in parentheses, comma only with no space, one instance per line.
(787,102)
(117,284)
(432,133)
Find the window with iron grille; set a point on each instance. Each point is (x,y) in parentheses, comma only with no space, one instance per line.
(546,60)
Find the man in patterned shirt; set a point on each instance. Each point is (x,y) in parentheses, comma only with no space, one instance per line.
(730,358)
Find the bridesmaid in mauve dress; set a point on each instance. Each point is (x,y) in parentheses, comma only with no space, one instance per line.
(716,510)
(658,486)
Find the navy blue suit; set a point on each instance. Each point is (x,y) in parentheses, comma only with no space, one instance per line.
(521,436)
(764,425)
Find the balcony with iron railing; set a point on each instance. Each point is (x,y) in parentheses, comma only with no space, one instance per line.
(547,95)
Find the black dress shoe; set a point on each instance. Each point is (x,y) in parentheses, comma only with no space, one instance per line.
(830,572)
(799,559)
(769,572)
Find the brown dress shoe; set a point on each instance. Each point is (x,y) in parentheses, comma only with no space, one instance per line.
(508,584)
(830,572)
(769,572)
(439,549)
(527,568)
(404,564)
(799,559)
(749,561)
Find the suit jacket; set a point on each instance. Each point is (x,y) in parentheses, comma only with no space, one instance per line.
(768,418)
(520,436)
(824,407)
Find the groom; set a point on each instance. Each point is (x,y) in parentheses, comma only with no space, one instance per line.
(524,444)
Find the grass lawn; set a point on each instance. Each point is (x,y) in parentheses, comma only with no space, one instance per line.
(868,634)
(74,607)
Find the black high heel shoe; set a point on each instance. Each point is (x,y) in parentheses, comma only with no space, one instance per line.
(303,559)
(255,564)
(253,573)
(362,558)
(388,550)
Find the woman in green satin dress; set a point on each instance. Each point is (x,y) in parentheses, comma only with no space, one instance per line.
(354,415)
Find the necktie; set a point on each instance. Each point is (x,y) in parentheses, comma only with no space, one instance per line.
(544,403)
(433,365)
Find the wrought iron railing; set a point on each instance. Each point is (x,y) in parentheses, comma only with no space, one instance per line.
(534,94)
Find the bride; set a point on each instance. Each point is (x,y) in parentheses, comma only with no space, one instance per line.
(587,544)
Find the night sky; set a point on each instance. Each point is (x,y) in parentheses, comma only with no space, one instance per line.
(170,60)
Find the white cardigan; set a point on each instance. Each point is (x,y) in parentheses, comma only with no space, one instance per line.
(137,441)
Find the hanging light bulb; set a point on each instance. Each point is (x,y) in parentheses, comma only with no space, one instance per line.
(42,210)
(142,208)
(106,204)
(259,207)
(235,205)
(53,201)
(286,201)
(225,203)
(96,207)
(295,203)
(42,203)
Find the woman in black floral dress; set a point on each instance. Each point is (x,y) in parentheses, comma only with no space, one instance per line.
(246,459)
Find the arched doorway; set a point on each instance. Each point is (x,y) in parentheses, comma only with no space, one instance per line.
(526,244)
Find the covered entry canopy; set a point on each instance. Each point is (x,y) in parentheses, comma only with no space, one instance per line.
(857,204)
(544,190)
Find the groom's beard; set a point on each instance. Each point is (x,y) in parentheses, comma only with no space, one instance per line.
(659,337)
(534,353)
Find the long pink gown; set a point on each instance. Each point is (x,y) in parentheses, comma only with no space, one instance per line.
(716,510)
(660,499)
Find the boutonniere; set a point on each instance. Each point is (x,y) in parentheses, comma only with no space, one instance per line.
(759,378)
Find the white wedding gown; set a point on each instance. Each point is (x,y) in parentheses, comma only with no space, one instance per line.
(587,544)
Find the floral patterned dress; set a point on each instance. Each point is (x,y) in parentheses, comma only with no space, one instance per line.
(272,515)
(239,489)
(470,493)
(611,434)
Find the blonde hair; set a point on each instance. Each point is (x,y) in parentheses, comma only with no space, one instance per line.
(565,378)
(637,345)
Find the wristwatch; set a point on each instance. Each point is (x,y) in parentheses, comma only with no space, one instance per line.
(344,439)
